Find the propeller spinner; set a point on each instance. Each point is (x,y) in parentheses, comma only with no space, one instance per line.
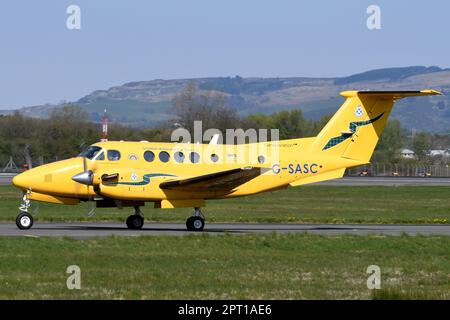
(85,177)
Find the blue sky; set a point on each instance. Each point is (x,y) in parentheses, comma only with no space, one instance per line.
(41,61)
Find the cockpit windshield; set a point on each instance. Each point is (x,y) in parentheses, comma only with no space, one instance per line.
(90,152)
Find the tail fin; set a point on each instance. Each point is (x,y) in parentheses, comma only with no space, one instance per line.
(353,132)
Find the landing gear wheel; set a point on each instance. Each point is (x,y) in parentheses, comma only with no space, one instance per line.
(135,222)
(24,221)
(195,223)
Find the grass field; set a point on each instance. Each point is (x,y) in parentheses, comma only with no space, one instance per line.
(296,266)
(310,204)
(263,266)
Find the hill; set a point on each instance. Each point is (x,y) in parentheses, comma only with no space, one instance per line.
(147,103)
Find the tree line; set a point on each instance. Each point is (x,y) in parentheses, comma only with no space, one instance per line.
(67,130)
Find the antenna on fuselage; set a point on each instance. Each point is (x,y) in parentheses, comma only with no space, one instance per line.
(105,127)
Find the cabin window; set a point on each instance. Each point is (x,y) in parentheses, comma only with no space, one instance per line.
(90,152)
(113,155)
(101,156)
(178,156)
(214,157)
(164,156)
(149,156)
(194,157)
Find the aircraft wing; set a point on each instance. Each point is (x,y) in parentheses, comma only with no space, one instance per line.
(217,181)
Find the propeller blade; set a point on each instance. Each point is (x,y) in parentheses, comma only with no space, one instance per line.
(35,207)
(91,212)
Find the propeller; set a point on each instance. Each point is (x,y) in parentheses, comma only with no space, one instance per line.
(35,208)
(91,212)
(86,177)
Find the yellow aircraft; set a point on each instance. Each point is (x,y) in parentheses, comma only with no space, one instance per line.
(172,175)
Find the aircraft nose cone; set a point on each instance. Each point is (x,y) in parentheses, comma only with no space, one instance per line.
(20,181)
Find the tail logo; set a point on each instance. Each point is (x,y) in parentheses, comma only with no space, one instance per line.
(352,129)
(145,179)
(359,112)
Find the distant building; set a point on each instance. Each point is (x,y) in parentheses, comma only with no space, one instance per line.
(439,153)
(407,154)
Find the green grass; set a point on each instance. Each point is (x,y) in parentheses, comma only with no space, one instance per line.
(295,266)
(311,204)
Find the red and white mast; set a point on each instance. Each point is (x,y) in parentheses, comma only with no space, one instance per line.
(105,127)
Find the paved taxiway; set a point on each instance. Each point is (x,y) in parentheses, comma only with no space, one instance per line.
(6,178)
(83,230)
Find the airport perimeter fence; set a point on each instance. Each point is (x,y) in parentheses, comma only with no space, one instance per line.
(375,169)
(400,170)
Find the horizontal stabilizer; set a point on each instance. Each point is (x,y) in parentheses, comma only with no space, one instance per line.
(391,94)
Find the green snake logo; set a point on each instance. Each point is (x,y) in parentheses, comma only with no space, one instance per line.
(145,179)
(352,129)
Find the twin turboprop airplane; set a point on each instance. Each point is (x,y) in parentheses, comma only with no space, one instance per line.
(172,175)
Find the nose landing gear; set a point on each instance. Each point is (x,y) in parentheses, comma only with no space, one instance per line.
(24,220)
(196,222)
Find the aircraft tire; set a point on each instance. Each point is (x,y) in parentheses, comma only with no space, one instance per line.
(135,222)
(195,223)
(24,221)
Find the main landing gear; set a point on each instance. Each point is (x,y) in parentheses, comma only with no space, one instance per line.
(196,222)
(24,220)
(136,220)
